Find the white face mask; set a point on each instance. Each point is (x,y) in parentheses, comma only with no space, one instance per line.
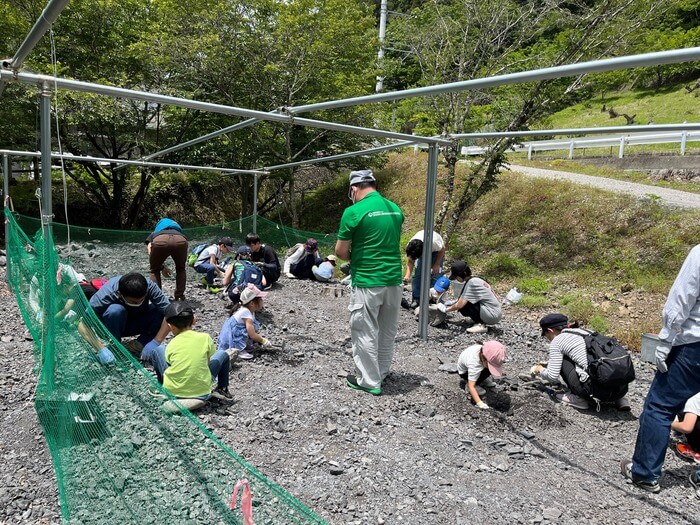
(351,194)
(133,305)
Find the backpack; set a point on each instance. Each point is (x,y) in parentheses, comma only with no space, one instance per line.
(609,364)
(244,274)
(194,254)
(90,288)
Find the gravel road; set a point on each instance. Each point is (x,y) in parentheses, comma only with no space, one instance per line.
(671,197)
(418,454)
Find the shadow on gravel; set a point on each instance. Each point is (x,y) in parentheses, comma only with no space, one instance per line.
(399,384)
(622,486)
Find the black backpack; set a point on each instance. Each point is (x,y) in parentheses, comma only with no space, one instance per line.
(249,274)
(609,363)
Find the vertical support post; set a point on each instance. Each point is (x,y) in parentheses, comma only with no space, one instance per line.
(621,152)
(684,139)
(6,195)
(571,149)
(529,152)
(426,257)
(48,269)
(255,203)
(382,35)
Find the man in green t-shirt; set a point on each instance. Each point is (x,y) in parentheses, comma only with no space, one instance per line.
(369,237)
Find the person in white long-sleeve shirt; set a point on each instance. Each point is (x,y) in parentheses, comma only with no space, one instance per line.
(677,377)
(568,358)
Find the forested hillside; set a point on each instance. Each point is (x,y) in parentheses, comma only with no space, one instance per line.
(272,54)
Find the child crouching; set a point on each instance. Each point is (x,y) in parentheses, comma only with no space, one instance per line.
(192,359)
(477,363)
(240,330)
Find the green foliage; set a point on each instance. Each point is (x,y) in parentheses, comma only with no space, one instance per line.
(598,323)
(580,309)
(504,265)
(534,301)
(534,285)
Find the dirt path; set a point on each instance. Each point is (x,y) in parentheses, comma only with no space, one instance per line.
(671,197)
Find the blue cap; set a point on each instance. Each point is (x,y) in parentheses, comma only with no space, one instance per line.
(442,284)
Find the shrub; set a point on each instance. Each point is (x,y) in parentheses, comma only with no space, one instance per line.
(534,285)
(504,265)
(534,301)
(598,323)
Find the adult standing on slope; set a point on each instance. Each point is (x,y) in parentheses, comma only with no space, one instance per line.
(369,237)
(677,377)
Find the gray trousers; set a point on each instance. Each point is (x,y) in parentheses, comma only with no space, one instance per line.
(374,318)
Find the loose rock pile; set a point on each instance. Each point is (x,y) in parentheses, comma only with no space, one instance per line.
(420,453)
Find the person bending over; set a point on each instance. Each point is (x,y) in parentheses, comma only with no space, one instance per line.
(477,300)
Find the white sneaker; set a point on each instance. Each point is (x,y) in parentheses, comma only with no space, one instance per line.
(290,275)
(244,354)
(573,400)
(623,405)
(477,329)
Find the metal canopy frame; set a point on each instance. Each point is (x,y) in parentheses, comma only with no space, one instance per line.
(288,115)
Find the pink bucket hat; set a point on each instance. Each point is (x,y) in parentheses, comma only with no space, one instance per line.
(495,354)
(250,293)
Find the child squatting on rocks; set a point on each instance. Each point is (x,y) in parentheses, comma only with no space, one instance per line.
(688,423)
(476,365)
(193,363)
(240,331)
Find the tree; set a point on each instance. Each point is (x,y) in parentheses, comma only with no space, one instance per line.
(463,39)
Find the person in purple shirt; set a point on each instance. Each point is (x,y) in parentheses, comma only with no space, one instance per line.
(131,305)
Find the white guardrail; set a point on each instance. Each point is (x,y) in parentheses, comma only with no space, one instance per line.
(620,141)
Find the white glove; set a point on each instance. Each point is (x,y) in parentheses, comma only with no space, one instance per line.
(266,343)
(533,371)
(482,405)
(662,350)
(70,317)
(442,307)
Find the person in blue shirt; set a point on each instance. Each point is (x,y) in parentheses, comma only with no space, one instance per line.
(167,240)
(131,305)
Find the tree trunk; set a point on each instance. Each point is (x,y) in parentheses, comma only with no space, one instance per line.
(450,155)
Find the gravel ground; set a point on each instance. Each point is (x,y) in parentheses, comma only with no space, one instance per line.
(671,197)
(420,453)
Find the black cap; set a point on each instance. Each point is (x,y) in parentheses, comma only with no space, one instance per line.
(226,241)
(459,269)
(178,309)
(553,321)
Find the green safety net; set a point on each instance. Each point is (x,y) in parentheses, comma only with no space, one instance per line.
(276,235)
(121,453)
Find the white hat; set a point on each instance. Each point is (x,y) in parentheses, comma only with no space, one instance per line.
(250,293)
(332,258)
(356,177)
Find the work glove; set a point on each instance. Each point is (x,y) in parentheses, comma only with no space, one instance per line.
(150,350)
(662,350)
(71,317)
(442,307)
(533,370)
(266,343)
(482,405)
(105,356)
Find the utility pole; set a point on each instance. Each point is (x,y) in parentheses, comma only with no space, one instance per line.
(382,35)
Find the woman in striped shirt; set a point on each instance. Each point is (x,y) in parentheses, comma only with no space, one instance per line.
(568,358)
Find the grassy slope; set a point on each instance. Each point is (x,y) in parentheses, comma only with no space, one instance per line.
(568,247)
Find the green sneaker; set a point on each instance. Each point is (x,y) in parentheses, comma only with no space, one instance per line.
(213,289)
(351,381)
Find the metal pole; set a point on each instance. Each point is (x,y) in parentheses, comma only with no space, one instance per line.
(571,149)
(89,87)
(621,152)
(529,152)
(49,257)
(47,17)
(580,131)
(5,204)
(255,203)
(594,66)
(382,36)
(684,138)
(426,262)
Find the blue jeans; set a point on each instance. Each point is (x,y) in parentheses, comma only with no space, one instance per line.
(418,272)
(666,397)
(208,269)
(157,359)
(219,367)
(121,322)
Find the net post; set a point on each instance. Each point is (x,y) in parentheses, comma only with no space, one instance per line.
(426,262)
(48,258)
(6,202)
(255,203)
